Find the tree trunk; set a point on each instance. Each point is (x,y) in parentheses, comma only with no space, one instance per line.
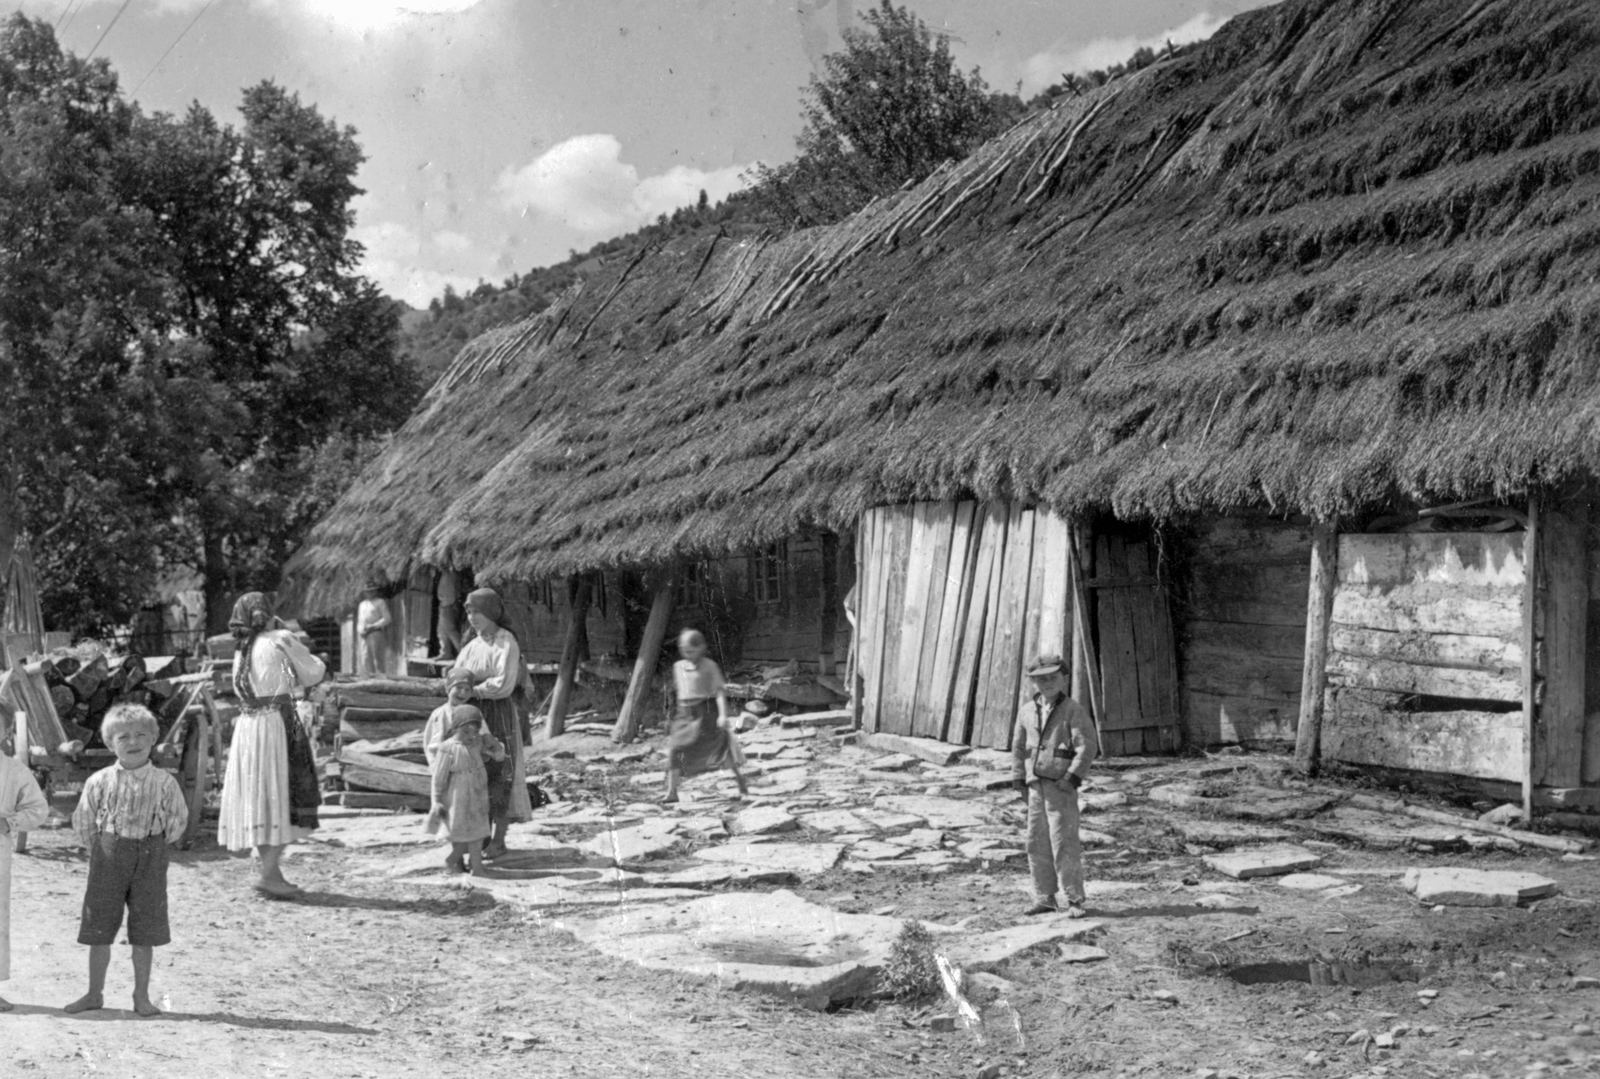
(9,528)
(644,667)
(217,583)
(571,652)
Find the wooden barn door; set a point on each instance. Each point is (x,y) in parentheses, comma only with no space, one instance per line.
(1138,671)
(953,597)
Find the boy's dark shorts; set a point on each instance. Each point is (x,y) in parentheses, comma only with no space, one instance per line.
(129,873)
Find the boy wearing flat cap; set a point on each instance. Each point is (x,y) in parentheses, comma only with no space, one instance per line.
(1054,745)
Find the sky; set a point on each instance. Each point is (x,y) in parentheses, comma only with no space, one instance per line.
(502,134)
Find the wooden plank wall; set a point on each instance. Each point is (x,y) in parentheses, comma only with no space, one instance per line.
(1242,628)
(954,597)
(1432,616)
(541,627)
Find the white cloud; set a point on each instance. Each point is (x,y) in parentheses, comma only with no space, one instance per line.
(584,183)
(1046,68)
(403,265)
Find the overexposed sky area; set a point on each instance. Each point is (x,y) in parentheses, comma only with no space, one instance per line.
(500,134)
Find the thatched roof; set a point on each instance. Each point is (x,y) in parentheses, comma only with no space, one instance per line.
(1346,250)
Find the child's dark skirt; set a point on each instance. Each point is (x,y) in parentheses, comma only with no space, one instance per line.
(129,873)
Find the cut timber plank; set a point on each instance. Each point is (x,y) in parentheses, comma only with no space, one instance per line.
(989,526)
(1050,551)
(391,702)
(1358,728)
(1141,610)
(1314,670)
(1265,594)
(1033,614)
(934,752)
(1530,631)
(878,643)
(1558,749)
(1005,657)
(1118,653)
(1396,677)
(901,692)
(1434,610)
(1490,560)
(896,714)
(368,771)
(931,700)
(952,617)
(1470,652)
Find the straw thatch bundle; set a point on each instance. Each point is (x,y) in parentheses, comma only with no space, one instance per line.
(1347,250)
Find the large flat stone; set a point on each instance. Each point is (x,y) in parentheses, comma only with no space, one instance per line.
(762,820)
(558,892)
(834,820)
(1262,862)
(874,850)
(1100,801)
(1453,887)
(641,842)
(1247,802)
(985,951)
(919,839)
(710,875)
(778,944)
(937,812)
(1226,833)
(891,762)
(801,859)
(927,749)
(1383,831)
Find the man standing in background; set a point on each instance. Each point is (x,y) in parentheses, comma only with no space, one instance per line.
(372,619)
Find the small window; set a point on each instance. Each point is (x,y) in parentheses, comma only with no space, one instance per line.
(544,594)
(767,570)
(692,585)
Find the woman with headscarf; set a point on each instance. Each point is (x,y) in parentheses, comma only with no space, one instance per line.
(494,659)
(270,795)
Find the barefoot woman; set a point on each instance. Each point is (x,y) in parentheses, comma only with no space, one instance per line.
(270,795)
(494,659)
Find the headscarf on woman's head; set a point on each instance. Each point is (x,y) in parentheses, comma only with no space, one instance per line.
(486,601)
(458,676)
(463,715)
(251,614)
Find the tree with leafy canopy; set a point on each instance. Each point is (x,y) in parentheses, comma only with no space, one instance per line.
(887,110)
(196,364)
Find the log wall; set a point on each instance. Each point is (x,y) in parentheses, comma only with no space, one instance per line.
(1425,653)
(1241,629)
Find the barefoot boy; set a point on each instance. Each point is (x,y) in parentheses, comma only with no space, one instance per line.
(126,816)
(1055,744)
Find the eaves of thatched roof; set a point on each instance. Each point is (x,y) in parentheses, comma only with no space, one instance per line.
(1346,250)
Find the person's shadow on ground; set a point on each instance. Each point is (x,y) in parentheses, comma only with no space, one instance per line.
(112,1015)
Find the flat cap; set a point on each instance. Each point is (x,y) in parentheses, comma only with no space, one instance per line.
(1047,664)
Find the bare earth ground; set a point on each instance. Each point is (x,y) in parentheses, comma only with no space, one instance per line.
(372,976)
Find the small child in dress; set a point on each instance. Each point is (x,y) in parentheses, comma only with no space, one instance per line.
(458,691)
(22,809)
(699,740)
(461,787)
(127,815)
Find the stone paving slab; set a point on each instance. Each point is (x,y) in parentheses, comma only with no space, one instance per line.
(801,859)
(937,812)
(1455,887)
(1262,862)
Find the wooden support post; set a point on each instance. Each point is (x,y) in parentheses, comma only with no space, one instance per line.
(1530,596)
(567,673)
(24,751)
(1314,675)
(644,666)
(1563,561)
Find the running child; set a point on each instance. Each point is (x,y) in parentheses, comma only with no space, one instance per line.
(699,740)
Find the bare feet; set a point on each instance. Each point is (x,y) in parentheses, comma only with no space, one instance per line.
(142,1005)
(5,1005)
(89,1002)
(455,865)
(480,872)
(496,851)
(667,800)
(1075,910)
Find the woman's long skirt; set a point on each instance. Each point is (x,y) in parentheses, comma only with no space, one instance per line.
(270,795)
(508,779)
(696,742)
(5,906)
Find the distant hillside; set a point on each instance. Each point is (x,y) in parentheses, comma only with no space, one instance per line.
(430,339)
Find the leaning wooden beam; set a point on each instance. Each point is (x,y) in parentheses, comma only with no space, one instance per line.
(1314,675)
(567,673)
(1530,594)
(644,667)
(1529,839)
(1085,666)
